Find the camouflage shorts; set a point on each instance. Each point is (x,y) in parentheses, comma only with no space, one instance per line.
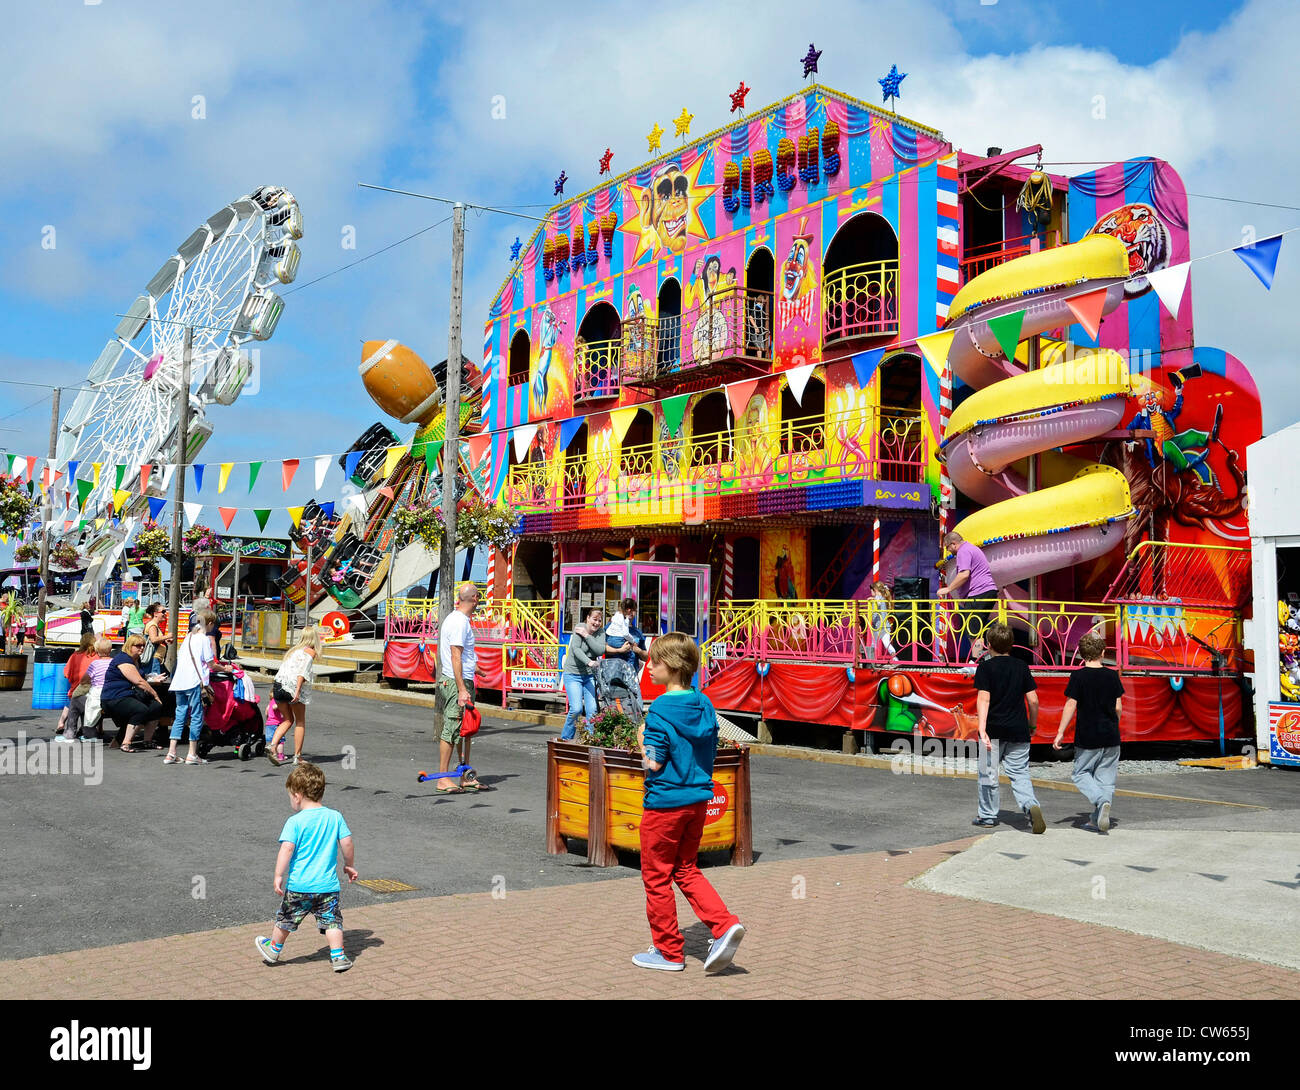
(297,906)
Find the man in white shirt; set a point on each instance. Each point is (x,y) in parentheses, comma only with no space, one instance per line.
(458,663)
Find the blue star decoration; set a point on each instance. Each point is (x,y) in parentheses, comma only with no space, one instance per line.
(889,85)
(810,60)
(559,183)
(515,247)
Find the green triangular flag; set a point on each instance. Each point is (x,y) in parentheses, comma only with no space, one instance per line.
(121,472)
(253,469)
(674,409)
(83,490)
(81,525)
(262,513)
(11,458)
(431,451)
(1007,330)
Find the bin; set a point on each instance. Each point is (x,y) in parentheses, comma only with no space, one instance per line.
(49,686)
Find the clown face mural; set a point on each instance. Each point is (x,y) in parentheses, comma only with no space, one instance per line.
(1145,238)
(666,213)
(795,279)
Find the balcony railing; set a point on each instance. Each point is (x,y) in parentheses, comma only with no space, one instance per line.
(860,301)
(979,259)
(729,331)
(642,481)
(597,369)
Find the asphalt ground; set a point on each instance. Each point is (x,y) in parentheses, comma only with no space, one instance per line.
(153,850)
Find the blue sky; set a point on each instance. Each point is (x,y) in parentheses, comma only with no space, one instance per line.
(318,97)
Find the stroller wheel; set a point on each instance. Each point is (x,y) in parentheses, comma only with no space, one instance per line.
(245,752)
(204,748)
(259,747)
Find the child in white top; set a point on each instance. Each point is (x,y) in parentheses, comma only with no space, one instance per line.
(292,692)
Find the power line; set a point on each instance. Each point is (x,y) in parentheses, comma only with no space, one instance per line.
(448,200)
(358,261)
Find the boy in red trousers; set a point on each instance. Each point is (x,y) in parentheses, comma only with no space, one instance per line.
(678,743)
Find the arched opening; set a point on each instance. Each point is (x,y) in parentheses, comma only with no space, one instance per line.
(668,354)
(520,351)
(710,436)
(596,353)
(899,435)
(575,469)
(759,281)
(641,432)
(803,423)
(860,279)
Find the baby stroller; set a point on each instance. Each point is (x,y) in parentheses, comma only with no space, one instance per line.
(619,682)
(231,718)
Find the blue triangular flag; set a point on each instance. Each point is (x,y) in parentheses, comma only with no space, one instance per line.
(328,509)
(198,477)
(568,429)
(865,364)
(350,462)
(72,471)
(1261,258)
(155,505)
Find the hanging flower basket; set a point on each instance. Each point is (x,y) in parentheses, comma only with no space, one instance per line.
(152,543)
(63,555)
(27,553)
(198,540)
(480,524)
(16,505)
(418,522)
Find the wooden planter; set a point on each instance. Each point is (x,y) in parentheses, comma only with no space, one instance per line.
(595,794)
(13,672)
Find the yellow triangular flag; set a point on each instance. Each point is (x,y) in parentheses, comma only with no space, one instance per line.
(935,347)
(4,539)
(391,459)
(622,420)
(99,524)
(120,497)
(295,513)
(226,467)
(95,466)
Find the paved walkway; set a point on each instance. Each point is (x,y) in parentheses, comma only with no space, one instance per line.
(858,930)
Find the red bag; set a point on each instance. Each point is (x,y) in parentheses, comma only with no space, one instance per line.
(470,721)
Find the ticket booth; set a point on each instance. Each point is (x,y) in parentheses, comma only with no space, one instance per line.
(669,597)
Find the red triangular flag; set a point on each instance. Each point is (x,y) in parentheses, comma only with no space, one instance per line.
(386,491)
(45,477)
(1087,309)
(144,478)
(478,445)
(31,468)
(287,469)
(738,395)
(228,514)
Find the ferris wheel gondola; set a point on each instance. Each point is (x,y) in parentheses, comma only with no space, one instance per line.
(221,284)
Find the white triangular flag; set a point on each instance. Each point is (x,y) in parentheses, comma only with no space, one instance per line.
(523,439)
(322,467)
(357,501)
(192,512)
(167,477)
(1170,284)
(798,379)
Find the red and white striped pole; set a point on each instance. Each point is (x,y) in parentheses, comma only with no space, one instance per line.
(728,569)
(509,558)
(654,552)
(945,501)
(631,547)
(555,571)
(492,573)
(875,551)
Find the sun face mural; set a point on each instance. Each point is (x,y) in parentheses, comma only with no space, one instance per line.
(667,213)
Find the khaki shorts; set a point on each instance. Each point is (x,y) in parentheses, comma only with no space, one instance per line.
(452,712)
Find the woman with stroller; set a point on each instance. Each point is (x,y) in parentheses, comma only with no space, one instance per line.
(619,678)
(292,692)
(193,669)
(586,646)
(128,697)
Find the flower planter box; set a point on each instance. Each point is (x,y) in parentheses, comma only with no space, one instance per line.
(595,794)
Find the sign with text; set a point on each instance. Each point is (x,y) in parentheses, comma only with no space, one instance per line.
(1284,734)
(536,681)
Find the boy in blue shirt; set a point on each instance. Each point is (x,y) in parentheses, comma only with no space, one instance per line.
(309,848)
(679,741)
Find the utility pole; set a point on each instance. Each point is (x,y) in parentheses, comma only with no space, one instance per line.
(182,457)
(451,405)
(46,514)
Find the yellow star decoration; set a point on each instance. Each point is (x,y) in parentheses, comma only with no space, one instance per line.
(652,138)
(682,123)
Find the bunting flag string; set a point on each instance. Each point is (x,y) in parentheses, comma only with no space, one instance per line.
(261,514)
(121,472)
(192,511)
(1169,284)
(226,467)
(198,476)
(168,471)
(350,463)
(145,472)
(155,506)
(1087,309)
(295,513)
(798,378)
(228,515)
(288,467)
(391,457)
(1261,258)
(254,468)
(322,467)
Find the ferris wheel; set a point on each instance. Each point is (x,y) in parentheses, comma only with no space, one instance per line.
(219,283)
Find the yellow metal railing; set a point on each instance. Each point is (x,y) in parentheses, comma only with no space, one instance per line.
(860,300)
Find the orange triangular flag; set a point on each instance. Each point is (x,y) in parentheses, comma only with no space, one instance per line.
(144,478)
(738,395)
(386,491)
(228,514)
(1087,309)
(478,445)
(287,469)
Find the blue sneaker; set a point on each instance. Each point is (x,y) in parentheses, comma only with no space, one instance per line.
(722,951)
(652,959)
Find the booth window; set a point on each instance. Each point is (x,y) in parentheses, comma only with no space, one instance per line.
(647,604)
(583,593)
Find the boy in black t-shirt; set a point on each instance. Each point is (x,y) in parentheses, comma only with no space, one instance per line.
(1097,692)
(1008,713)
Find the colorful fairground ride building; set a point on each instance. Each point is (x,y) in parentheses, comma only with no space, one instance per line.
(755,377)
